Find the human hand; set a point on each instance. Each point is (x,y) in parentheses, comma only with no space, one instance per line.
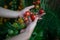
(13,14)
(26,33)
(21,13)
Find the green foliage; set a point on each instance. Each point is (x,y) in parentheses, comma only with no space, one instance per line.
(49,25)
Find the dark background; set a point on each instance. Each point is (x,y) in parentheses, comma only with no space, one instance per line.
(49,26)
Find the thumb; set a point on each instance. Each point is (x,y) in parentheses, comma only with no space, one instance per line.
(32,25)
(36,19)
(29,7)
(25,9)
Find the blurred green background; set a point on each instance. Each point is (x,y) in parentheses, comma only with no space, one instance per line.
(49,26)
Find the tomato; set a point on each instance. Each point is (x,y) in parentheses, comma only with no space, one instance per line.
(20,20)
(5,6)
(16,32)
(27,13)
(36,6)
(41,11)
(38,2)
(10,32)
(32,17)
(25,19)
(15,25)
(22,26)
(34,3)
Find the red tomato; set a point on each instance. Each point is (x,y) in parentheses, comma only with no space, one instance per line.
(38,2)
(25,19)
(34,3)
(41,11)
(27,13)
(32,17)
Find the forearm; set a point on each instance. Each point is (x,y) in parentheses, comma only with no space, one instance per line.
(8,13)
(26,35)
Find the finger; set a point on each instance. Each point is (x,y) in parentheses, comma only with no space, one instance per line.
(40,18)
(30,7)
(23,30)
(36,19)
(27,9)
(31,26)
(43,14)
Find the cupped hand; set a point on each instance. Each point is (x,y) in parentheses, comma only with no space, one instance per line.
(21,13)
(26,33)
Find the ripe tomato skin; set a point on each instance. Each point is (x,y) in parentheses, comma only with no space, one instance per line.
(41,11)
(27,13)
(38,2)
(25,19)
(32,16)
(34,3)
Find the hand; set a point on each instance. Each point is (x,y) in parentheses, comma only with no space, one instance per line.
(27,32)
(13,14)
(21,13)
(25,35)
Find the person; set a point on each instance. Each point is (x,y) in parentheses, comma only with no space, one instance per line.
(15,14)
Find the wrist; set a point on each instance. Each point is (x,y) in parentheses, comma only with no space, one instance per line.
(20,14)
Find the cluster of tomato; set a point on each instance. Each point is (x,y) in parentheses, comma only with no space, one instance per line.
(23,22)
(29,14)
(32,15)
